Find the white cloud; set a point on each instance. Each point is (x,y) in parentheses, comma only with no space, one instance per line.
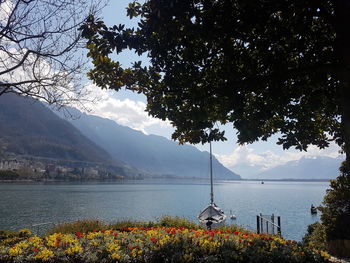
(5,10)
(247,156)
(125,112)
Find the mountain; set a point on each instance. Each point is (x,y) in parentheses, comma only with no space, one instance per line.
(308,168)
(152,153)
(29,129)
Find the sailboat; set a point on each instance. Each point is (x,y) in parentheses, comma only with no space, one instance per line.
(212,216)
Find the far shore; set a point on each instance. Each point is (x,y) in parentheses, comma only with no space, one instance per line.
(157,178)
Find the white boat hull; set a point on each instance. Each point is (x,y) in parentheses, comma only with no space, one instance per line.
(212,217)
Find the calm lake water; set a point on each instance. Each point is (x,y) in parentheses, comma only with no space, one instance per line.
(22,205)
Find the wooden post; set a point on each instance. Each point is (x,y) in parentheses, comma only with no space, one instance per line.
(267,227)
(273,223)
(279,225)
(258,224)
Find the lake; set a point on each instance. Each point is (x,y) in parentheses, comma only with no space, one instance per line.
(23,205)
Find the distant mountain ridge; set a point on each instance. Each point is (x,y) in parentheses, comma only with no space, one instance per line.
(27,127)
(31,131)
(152,153)
(309,168)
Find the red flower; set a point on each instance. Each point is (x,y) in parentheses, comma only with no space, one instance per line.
(35,249)
(79,235)
(58,240)
(138,247)
(153,239)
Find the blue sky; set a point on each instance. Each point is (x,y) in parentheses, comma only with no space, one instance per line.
(127,108)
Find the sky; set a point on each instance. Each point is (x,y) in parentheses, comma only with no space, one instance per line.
(128,108)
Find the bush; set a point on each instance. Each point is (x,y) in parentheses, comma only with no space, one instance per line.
(169,221)
(86,225)
(315,236)
(8,175)
(164,221)
(336,210)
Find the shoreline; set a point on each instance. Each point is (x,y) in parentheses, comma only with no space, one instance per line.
(160,178)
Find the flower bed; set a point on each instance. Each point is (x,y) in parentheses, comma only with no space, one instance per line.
(156,244)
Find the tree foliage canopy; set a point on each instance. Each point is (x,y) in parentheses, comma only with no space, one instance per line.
(266,66)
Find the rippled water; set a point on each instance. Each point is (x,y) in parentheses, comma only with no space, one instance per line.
(22,205)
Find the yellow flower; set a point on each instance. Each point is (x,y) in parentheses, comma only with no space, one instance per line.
(75,249)
(68,239)
(115,256)
(164,240)
(45,254)
(325,254)
(94,243)
(112,247)
(35,241)
(92,235)
(52,239)
(134,253)
(15,251)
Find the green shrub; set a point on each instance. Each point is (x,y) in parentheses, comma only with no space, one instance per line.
(165,221)
(315,236)
(336,209)
(8,175)
(176,221)
(84,226)
(129,223)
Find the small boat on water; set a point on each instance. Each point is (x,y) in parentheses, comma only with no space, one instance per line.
(232,216)
(262,182)
(212,216)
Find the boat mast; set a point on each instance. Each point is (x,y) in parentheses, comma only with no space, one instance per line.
(211,177)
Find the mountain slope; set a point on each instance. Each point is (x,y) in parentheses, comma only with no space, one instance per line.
(29,128)
(305,168)
(31,131)
(153,153)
